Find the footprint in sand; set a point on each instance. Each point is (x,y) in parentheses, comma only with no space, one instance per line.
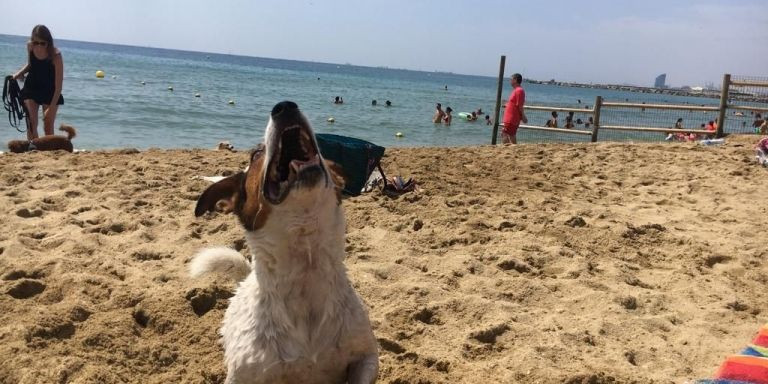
(18,274)
(427,316)
(26,288)
(390,346)
(27,213)
(203,300)
(54,204)
(148,255)
(49,328)
(109,229)
(41,240)
(489,335)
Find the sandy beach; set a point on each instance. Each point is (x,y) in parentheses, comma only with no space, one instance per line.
(558,263)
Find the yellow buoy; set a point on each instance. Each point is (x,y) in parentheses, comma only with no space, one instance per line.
(170,88)
(100,74)
(331,120)
(231,102)
(399,134)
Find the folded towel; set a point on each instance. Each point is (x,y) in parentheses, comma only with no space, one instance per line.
(748,367)
(761,340)
(752,369)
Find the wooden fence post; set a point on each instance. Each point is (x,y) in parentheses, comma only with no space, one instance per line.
(596,120)
(723,104)
(500,86)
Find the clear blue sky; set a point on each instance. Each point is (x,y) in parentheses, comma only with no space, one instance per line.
(619,41)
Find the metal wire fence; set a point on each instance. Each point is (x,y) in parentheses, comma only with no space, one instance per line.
(747,104)
(547,123)
(624,121)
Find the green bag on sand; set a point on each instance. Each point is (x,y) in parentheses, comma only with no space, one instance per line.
(357,157)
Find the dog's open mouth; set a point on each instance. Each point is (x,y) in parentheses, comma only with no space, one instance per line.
(294,163)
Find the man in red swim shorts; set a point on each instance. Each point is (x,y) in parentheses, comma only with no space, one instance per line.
(514,113)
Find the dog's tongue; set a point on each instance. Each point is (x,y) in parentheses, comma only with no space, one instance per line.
(299,165)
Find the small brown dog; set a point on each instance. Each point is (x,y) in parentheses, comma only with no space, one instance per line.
(225,146)
(45,143)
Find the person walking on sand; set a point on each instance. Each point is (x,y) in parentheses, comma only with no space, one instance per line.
(439,114)
(45,74)
(513,112)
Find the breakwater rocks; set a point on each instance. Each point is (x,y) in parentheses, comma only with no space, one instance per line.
(708,93)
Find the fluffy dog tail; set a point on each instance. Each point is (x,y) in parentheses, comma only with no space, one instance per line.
(222,260)
(70,130)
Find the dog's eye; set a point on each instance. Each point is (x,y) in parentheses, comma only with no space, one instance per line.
(258,151)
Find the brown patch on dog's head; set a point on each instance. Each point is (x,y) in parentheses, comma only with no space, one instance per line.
(239,193)
(288,163)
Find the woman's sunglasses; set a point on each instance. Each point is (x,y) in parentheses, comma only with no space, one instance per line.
(40,43)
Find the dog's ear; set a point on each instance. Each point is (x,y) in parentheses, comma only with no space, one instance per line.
(220,196)
(338,176)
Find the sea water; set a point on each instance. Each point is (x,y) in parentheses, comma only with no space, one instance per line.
(132,105)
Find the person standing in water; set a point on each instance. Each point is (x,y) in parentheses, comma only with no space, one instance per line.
(45,75)
(439,114)
(448,118)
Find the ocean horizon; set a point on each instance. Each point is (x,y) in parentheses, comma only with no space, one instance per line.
(218,97)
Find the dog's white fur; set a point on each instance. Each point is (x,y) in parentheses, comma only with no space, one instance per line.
(295,317)
(221,260)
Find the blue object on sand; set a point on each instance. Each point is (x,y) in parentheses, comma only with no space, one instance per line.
(357,157)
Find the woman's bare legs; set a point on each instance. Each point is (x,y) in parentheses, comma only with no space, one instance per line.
(49,115)
(32,108)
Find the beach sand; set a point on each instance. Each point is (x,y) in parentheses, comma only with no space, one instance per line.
(576,263)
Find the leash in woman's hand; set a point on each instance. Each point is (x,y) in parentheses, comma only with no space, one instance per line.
(12,102)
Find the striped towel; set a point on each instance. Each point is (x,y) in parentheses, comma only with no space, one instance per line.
(748,367)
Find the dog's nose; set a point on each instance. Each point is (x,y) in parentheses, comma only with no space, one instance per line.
(284,108)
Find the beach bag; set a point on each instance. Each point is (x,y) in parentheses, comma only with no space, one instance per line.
(357,157)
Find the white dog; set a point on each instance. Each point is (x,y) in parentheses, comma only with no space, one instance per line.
(294,318)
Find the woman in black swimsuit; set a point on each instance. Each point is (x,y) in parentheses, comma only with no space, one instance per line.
(45,72)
